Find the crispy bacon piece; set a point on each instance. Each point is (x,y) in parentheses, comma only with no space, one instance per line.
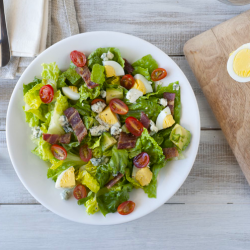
(170,98)
(76,123)
(128,67)
(86,74)
(54,139)
(126,141)
(112,182)
(144,120)
(65,139)
(170,152)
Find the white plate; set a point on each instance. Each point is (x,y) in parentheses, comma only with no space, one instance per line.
(32,171)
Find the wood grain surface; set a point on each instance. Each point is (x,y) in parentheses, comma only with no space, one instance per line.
(207,55)
(201,214)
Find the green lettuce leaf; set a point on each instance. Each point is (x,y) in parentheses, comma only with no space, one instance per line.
(61,81)
(146,62)
(90,202)
(97,74)
(71,145)
(119,160)
(135,183)
(27,87)
(32,97)
(90,168)
(162,138)
(83,107)
(43,150)
(109,202)
(88,121)
(149,106)
(51,74)
(88,180)
(103,174)
(95,57)
(132,152)
(142,71)
(32,119)
(60,105)
(86,93)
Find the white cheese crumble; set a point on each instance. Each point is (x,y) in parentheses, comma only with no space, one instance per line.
(110,55)
(153,128)
(103,123)
(163,102)
(65,194)
(104,57)
(98,130)
(63,121)
(103,93)
(37,132)
(98,107)
(133,95)
(99,161)
(158,83)
(176,86)
(115,130)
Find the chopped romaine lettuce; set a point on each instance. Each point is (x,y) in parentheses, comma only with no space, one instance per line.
(50,73)
(86,93)
(43,150)
(72,76)
(27,87)
(142,71)
(103,174)
(88,180)
(32,97)
(146,62)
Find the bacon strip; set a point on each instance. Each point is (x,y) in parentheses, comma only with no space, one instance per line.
(53,138)
(144,120)
(126,141)
(170,152)
(76,123)
(170,98)
(112,182)
(128,67)
(85,74)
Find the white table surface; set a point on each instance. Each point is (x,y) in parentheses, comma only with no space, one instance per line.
(212,208)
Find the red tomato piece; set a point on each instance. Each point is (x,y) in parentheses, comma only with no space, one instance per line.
(46,93)
(119,107)
(85,153)
(80,192)
(134,126)
(78,58)
(141,160)
(158,74)
(97,100)
(127,207)
(127,81)
(59,152)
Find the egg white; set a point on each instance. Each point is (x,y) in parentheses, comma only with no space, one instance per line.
(161,117)
(146,83)
(70,93)
(230,62)
(119,71)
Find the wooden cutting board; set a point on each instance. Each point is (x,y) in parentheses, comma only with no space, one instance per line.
(207,55)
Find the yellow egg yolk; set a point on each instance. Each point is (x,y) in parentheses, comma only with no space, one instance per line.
(108,116)
(241,64)
(168,121)
(110,71)
(144,176)
(68,179)
(140,86)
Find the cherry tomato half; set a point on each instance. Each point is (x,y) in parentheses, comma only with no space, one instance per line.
(78,58)
(134,126)
(46,93)
(141,160)
(97,100)
(127,81)
(85,153)
(80,192)
(59,152)
(118,106)
(127,207)
(158,74)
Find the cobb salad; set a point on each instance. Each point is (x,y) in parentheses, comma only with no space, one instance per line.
(104,127)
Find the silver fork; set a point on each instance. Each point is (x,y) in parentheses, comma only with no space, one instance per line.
(4,40)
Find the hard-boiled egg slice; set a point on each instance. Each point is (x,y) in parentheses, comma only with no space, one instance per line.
(113,68)
(70,93)
(142,84)
(238,64)
(164,119)
(66,179)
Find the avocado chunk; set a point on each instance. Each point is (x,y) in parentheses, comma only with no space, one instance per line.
(72,76)
(180,137)
(107,141)
(113,93)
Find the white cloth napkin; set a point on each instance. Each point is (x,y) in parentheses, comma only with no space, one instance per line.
(27,23)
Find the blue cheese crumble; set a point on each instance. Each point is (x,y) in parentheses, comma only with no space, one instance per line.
(63,121)
(37,132)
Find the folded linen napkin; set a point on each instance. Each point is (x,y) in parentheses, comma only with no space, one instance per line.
(56,20)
